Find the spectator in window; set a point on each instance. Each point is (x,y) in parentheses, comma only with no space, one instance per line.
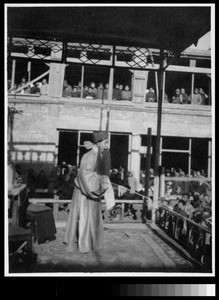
(126,93)
(166,99)
(117,93)
(85,91)
(35,88)
(185,97)
(204,96)
(177,98)
(94,89)
(23,82)
(13,89)
(44,87)
(67,89)
(90,94)
(75,92)
(196,98)
(121,87)
(100,91)
(151,96)
(106,91)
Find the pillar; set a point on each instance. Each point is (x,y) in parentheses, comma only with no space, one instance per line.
(135,155)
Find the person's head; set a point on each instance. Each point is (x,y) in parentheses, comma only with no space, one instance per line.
(183,91)
(121,87)
(181,204)
(100,138)
(92,85)
(100,85)
(90,90)
(196,90)
(23,80)
(86,88)
(44,81)
(151,90)
(201,91)
(79,84)
(198,173)
(131,174)
(126,88)
(107,86)
(65,83)
(177,91)
(75,89)
(185,197)
(117,86)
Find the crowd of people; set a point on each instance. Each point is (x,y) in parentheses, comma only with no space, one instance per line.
(101,91)
(199,97)
(38,88)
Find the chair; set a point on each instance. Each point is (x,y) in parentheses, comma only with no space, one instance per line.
(42,222)
(20,246)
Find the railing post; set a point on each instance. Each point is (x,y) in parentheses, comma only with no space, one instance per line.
(55,208)
(162,182)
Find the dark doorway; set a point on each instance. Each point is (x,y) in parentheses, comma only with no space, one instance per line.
(68,141)
(119,150)
(153,147)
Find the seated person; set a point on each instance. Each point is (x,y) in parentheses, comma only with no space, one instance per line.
(151,96)
(23,82)
(44,87)
(185,97)
(106,91)
(67,89)
(100,91)
(35,89)
(75,93)
(126,93)
(204,96)
(94,89)
(177,98)
(90,94)
(117,94)
(196,98)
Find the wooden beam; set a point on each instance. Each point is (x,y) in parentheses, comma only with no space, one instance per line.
(32,81)
(13,73)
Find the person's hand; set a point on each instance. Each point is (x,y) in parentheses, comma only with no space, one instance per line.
(104,182)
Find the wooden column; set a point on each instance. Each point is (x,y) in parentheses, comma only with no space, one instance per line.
(190,153)
(157,150)
(192,63)
(148,162)
(82,80)
(29,71)
(13,73)
(209,158)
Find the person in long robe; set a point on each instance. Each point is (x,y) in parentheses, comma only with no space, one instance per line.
(84,227)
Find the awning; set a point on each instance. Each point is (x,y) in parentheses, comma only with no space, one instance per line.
(171,28)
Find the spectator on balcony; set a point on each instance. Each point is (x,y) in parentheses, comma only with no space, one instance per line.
(22,83)
(151,96)
(126,93)
(100,91)
(185,97)
(166,99)
(204,96)
(75,93)
(13,89)
(35,88)
(106,92)
(44,87)
(94,89)
(27,90)
(189,209)
(85,91)
(90,94)
(117,93)
(67,89)
(177,98)
(196,98)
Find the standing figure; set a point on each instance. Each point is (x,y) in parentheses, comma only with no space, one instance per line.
(85,226)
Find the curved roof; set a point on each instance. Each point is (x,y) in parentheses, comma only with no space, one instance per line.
(171,28)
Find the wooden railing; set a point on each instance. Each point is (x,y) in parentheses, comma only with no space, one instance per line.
(195,238)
